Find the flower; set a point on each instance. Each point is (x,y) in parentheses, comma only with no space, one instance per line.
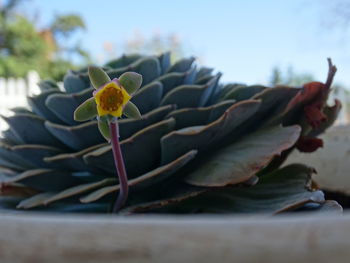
(111,98)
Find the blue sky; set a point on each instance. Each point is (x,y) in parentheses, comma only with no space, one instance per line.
(242,39)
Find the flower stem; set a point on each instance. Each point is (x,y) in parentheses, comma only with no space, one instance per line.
(119,164)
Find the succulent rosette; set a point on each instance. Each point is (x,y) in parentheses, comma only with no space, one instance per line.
(191,144)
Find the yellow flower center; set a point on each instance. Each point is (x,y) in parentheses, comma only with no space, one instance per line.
(111,99)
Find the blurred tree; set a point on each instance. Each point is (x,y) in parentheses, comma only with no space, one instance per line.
(8,7)
(276,77)
(5,10)
(289,77)
(65,25)
(24,47)
(155,45)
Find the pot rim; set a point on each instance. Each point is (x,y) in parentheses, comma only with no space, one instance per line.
(301,238)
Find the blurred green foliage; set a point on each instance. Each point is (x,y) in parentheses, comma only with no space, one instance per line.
(67,24)
(289,77)
(155,44)
(24,47)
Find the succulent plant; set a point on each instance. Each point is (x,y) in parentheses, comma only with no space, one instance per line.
(199,146)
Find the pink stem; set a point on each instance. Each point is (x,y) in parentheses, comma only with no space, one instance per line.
(119,164)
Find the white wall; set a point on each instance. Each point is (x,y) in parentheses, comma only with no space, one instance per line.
(14,92)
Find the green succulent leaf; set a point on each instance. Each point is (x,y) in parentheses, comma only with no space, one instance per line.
(282,190)
(243,93)
(50,197)
(148,179)
(103,127)
(173,198)
(205,137)
(172,80)
(48,84)
(165,61)
(21,110)
(35,154)
(328,207)
(63,105)
(182,65)
(76,137)
(73,162)
(148,67)
(34,201)
(239,161)
(38,201)
(131,111)
(187,96)
(188,117)
(204,72)
(149,97)
(143,144)
(273,103)
(128,127)
(131,81)
(86,111)
(30,129)
(123,61)
(11,160)
(75,82)
(39,107)
(45,179)
(79,189)
(98,77)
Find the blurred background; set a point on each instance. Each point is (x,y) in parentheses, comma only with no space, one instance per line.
(254,42)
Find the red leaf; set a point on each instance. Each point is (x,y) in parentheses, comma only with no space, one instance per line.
(308,144)
(309,92)
(314,114)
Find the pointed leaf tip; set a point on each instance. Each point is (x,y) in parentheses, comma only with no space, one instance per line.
(86,111)
(131,111)
(98,77)
(131,81)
